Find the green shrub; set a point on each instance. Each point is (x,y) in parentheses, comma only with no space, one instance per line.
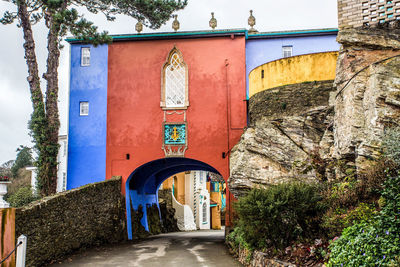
(22,197)
(334,221)
(278,215)
(236,239)
(391,144)
(373,243)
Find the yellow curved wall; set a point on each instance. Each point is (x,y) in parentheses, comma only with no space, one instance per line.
(292,70)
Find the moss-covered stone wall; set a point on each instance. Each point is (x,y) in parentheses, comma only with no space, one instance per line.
(58,225)
(289,100)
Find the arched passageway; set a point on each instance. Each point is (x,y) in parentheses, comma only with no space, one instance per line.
(143,183)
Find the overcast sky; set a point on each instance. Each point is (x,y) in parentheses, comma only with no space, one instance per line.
(15,105)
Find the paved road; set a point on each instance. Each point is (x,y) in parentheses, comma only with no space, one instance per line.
(201,248)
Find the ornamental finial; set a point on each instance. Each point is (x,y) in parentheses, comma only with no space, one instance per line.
(175,24)
(213,21)
(139,26)
(252,22)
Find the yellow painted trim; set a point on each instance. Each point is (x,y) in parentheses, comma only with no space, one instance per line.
(292,70)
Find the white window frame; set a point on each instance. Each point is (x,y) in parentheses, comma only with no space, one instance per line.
(166,82)
(85,56)
(287,49)
(84,108)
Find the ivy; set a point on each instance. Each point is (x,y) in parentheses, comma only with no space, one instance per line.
(61,18)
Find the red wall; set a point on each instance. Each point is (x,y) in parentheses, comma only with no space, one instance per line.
(216,98)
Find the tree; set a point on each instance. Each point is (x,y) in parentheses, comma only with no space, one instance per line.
(5,168)
(24,159)
(60,18)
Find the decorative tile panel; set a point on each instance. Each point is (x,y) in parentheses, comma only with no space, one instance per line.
(174,134)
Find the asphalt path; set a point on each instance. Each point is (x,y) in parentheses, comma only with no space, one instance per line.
(198,248)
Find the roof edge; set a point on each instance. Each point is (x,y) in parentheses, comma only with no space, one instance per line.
(170,35)
(298,33)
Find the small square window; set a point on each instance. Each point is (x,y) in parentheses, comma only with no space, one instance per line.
(373,5)
(365,4)
(287,51)
(83,108)
(85,56)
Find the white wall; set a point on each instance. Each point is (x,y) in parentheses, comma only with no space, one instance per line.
(183,215)
(62,163)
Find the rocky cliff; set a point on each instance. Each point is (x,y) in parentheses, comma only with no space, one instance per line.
(368,92)
(290,127)
(296,130)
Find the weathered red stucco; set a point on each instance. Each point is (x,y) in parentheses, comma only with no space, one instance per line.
(7,236)
(217,92)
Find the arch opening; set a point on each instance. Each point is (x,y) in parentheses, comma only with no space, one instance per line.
(143,183)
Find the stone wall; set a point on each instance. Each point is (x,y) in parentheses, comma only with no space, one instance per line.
(368,92)
(169,221)
(75,219)
(350,13)
(258,259)
(356,13)
(289,127)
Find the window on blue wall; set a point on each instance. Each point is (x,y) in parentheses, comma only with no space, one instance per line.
(287,51)
(83,108)
(85,56)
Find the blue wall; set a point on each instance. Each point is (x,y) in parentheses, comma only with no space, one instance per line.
(263,50)
(87,134)
(143,183)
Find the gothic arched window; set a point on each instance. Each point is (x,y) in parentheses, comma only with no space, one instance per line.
(174,84)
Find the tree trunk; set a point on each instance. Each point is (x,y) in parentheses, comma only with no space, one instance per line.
(51,76)
(38,123)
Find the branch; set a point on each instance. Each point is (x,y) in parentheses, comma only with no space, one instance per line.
(153,13)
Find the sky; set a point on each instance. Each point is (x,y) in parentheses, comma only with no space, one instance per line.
(15,104)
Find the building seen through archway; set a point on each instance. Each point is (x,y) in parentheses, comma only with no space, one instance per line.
(198,198)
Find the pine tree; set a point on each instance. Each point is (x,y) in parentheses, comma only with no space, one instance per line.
(61,18)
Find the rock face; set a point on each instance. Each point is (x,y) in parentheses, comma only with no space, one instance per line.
(368,92)
(296,130)
(290,127)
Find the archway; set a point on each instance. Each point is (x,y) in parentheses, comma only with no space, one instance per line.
(143,183)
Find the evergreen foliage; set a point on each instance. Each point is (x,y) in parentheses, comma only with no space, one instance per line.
(24,159)
(278,215)
(22,197)
(375,242)
(61,17)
